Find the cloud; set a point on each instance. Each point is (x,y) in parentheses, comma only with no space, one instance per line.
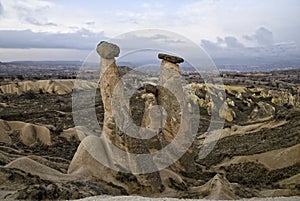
(165,39)
(90,23)
(232,42)
(262,37)
(33,12)
(82,39)
(20,14)
(36,22)
(1,9)
(26,6)
(264,48)
(229,42)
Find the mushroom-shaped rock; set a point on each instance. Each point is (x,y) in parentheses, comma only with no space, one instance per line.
(170,58)
(108,50)
(171,97)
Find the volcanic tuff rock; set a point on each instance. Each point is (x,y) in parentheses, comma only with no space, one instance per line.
(172,98)
(164,120)
(218,188)
(262,112)
(110,86)
(227,113)
(29,134)
(60,86)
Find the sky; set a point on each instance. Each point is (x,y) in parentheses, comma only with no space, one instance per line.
(228,29)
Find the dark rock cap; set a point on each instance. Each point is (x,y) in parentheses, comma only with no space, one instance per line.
(108,50)
(170,58)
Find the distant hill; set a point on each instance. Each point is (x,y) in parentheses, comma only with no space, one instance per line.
(223,65)
(46,62)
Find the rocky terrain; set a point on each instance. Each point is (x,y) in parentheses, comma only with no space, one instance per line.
(43,155)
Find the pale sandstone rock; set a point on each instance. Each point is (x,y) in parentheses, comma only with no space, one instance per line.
(227,113)
(29,133)
(110,85)
(78,133)
(35,168)
(171,97)
(60,86)
(218,188)
(262,112)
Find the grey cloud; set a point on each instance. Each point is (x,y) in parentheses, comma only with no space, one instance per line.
(27,14)
(262,37)
(211,46)
(90,23)
(150,40)
(1,9)
(82,39)
(232,42)
(229,42)
(233,50)
(166,39)
(34,21)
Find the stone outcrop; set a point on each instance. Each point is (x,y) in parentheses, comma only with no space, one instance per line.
(172,98)
(113,131)
(203,96)
(109,79)
(109,85)
(77,133)
(166,113)
(55,86)
(218,188)
(227,113)
(282,97)
(29,134)
(262,112)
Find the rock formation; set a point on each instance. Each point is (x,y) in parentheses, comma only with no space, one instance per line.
(166,114)
(29,134)
(109,78)
(109,84)
(227,113)
(262,112)
(113,132)
(172,98)
(55,86)
(218,188)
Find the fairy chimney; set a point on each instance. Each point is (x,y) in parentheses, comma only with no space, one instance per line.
(171,97)
(109,79)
